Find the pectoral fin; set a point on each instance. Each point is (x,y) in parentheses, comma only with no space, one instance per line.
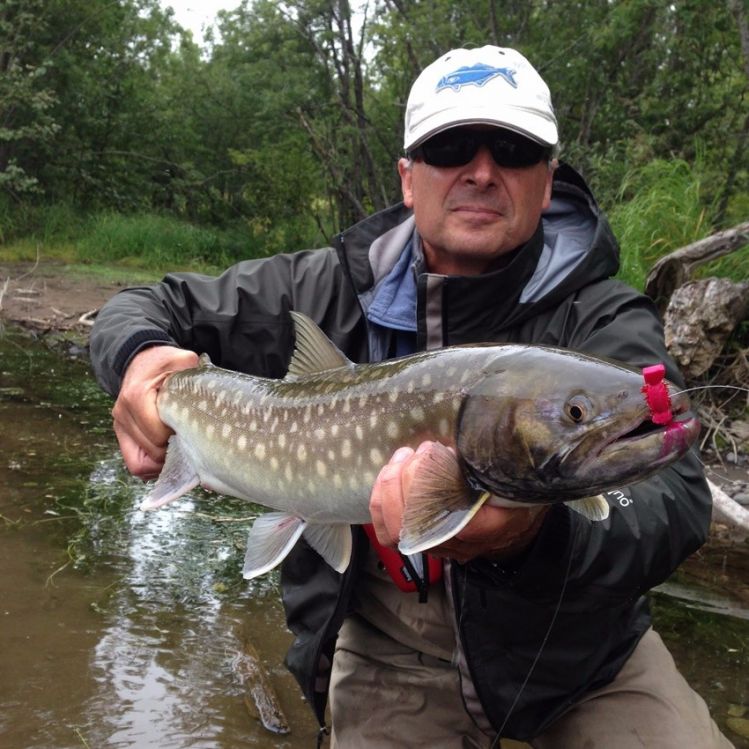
(177,477)
(594,508)
(440,503)
(271,538)
(332,543)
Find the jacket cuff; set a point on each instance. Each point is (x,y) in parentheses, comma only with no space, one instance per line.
(137,342)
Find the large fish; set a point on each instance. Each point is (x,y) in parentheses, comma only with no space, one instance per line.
(520,425)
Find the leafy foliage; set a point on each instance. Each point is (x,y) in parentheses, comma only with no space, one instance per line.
(286,125)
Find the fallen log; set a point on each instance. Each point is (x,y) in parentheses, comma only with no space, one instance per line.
(675,269)
(729,512)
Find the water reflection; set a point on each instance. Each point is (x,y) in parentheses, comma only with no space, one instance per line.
(118,628)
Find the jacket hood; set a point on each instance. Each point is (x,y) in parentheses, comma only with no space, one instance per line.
(573,247)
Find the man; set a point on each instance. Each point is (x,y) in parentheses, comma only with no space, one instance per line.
(536,628)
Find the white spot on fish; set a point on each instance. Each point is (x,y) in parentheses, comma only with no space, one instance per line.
(426,379)
(321,468)
(301,453)
(393,396)
(226,430)
(260,451)
(363,400)
(346,449)
(293,428)
(320,410)
(282,440)
(393,430)
(209,430)
(411,386)
(274,463)
(334,430)
(444,427)
(319,433)
(375,456)
(369,478)
(359,432)
(307,414)
(288,473)
(417,413)
(203,405)
(242,442)
(373,421)
(337,481)
(346,405)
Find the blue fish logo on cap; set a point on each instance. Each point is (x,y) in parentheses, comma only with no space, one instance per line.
(475,75)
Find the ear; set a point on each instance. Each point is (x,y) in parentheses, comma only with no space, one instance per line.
(405,170)
(553,164)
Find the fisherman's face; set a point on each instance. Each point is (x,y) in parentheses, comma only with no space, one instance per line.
(469,216)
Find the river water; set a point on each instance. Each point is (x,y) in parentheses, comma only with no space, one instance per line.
(122,629)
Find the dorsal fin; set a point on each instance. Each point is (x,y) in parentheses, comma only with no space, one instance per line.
(314,351)
(205,361)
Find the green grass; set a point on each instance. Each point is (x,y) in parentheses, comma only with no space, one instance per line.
(145,241)
(153,241)
(659,210)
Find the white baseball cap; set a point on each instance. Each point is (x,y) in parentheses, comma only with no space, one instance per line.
(486,86)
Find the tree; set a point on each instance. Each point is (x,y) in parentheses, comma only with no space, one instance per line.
(26,99)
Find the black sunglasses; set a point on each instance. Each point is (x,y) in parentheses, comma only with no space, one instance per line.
(458,146)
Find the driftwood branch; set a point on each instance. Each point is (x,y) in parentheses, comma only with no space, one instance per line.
(260,697)
(674,270)
(729,512)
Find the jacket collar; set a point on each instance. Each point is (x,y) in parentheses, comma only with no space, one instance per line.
(572,247)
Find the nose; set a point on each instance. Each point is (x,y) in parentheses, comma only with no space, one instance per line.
(482,169)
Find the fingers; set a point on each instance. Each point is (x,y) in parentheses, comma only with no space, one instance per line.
(141,433)
(391,489)
(139,462)
(493,531)
(387,499)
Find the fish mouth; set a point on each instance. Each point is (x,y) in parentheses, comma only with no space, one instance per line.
(640,441)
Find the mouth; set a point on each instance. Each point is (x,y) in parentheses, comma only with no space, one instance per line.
(477,211)
(641,440)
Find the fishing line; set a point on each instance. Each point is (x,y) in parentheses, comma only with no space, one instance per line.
(712,387)
(497,744)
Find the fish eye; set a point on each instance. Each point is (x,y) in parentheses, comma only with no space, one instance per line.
(577,409)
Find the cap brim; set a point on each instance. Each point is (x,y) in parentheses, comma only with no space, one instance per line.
(529,123)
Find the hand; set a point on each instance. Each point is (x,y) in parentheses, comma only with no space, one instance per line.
(493,532)
(141,433)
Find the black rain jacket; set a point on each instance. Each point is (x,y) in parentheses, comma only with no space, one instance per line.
(574,601)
